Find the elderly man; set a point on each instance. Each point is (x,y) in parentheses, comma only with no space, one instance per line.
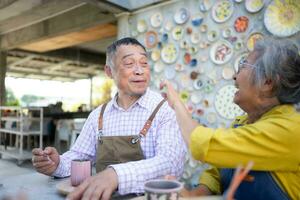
(132,138)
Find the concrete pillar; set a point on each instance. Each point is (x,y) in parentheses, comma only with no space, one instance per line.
(91,93)
(123,25)
(3,63)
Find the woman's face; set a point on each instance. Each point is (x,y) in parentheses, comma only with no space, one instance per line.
(247,93)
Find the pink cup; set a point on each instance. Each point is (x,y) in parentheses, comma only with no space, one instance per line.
(80,170)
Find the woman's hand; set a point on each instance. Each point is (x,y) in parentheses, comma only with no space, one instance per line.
(201,190)
(170,94)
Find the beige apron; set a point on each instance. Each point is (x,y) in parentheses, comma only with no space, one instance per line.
(120,149)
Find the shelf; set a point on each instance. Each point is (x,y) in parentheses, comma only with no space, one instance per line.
(4,130)
(15,153)
(20,123)
(17,119)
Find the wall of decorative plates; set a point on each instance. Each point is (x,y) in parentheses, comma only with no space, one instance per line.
(197,45)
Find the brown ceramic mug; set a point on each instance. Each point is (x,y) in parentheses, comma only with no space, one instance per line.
(80,170)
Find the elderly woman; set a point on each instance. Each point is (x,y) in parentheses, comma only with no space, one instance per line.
(268,84)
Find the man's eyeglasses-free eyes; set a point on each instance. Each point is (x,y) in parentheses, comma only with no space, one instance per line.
(243,64)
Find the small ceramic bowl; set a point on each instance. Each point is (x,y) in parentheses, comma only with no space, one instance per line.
(162,189)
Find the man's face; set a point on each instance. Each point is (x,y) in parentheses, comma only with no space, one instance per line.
(131,70)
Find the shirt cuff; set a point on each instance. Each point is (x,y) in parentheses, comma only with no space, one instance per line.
(60,170)
(199,142)
(126,180)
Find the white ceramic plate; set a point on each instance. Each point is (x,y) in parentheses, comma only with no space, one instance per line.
(169,25)
(222,10)
(224,103)
(212,35)
(158,67)
(196,97)
(141,26)
(155,55)
(169,53)
(221,52)
(211,117)
(254,6)
(195,38)
(170,72)
(282,18)
(181,16)
(177,33)
(156,20)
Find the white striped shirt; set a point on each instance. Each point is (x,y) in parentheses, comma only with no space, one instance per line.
(163,147)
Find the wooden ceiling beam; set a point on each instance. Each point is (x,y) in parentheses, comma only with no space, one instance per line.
(82,17)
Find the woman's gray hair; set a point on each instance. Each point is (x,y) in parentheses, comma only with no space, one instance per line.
(112,49)
(278,60)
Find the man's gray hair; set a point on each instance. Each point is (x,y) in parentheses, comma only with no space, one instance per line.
(112,49)
(278,60)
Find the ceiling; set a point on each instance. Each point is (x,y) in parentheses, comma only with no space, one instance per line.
(59,40)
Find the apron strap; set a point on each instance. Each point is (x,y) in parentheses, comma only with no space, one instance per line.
(150,119)
(100,120)
(147,124)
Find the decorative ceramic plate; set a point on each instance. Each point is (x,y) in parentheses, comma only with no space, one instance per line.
(170,72)
(203,28)
(198,84)
(241,24)
(196,97)
(158,67)
(227,32)
(177,33)
(184,96)
(184,80)
(282,17)
(141,26)
(221,52)
(179,67)
(195,38)
(169,53)
(155,55)
(181,16)
(252,40)
(212,35)
(205,5)
(156,20)
(227,73)
(224,103)
(197,19)
(254,6)
(211,117)
(192,49)
(238,59)
(169,25)
(151,39)
(222,11)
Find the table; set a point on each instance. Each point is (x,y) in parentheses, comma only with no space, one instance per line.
(37,186)
(34,185)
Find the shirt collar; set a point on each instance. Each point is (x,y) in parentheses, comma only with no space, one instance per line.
(143,101)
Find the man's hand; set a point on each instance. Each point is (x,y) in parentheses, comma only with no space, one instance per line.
(96,187)
(45,161)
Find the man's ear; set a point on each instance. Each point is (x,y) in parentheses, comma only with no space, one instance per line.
(108,71)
